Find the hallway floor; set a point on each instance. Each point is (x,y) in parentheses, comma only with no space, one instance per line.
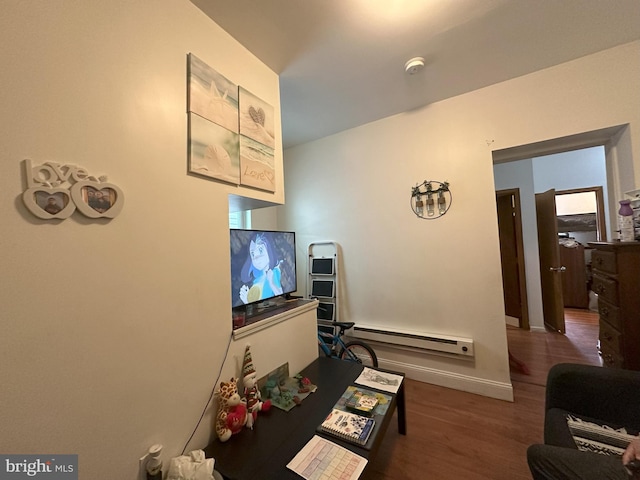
(540,350)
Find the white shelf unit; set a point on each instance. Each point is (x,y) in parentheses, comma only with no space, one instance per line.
(323,278)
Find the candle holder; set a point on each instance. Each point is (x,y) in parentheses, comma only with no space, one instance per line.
(438,199)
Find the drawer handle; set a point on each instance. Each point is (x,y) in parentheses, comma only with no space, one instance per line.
(599,261)
(604,312)
(607,336)
(600,288)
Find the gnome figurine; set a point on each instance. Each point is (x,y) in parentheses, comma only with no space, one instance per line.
(251,391)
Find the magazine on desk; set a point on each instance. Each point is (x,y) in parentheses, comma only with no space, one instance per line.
(321,457)
(348,426)
(380,380)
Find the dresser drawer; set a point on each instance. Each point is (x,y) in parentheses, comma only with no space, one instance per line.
(606,288)
(609,313)
(610,339)
(610,359)
(604,261)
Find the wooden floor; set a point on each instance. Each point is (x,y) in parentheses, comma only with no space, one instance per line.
(458,435)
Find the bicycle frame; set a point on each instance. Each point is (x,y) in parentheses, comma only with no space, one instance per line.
(335,346)
(330,347)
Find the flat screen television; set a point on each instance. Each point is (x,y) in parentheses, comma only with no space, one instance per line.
(263,265)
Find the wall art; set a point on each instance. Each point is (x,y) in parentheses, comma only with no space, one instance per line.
(256,119)
(211,95)
(231,131)
(213,123)
(256,165)
(257,142)
(431,199)
(55,191)
(214,151)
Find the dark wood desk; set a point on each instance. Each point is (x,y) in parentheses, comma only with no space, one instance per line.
(263,453)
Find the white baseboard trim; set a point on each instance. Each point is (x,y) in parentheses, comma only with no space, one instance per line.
(465,383)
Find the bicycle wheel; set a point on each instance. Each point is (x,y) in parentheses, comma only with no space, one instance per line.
(360,352)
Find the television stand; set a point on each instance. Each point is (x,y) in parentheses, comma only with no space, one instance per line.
(263,307)
(254,313)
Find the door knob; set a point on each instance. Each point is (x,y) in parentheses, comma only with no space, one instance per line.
(558,269)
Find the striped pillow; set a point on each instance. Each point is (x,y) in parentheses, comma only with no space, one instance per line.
(591,437)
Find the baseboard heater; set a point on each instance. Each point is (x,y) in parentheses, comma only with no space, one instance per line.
(457,346)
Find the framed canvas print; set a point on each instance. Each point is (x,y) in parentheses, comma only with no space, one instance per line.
(256,119)
(213,150)
(211,95)
(257,167)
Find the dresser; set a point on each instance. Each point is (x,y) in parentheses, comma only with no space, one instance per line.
(574,280)
(616,281)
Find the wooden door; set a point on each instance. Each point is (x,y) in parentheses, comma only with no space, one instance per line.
(574,279)
(550,266)
(508,256)
(514,285)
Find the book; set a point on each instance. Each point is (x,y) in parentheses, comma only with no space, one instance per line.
(362,402)
(348,426)
(384,400)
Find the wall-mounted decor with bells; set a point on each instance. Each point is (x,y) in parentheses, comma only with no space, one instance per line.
(431,199)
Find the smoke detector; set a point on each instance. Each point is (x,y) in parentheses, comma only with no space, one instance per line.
(414,65)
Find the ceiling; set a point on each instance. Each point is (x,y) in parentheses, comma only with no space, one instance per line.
(342,62)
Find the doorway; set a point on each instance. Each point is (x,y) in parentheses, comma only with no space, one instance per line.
(581,213)
(580,220)
(608,141)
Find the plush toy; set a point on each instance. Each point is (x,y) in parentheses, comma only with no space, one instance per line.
(232,411)
(237,418)
(251,391)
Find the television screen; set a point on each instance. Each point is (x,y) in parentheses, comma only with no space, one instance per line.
(322,266)
(263,265)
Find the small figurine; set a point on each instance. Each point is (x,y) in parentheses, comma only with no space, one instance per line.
(251,391)
(304,384)
(232,411)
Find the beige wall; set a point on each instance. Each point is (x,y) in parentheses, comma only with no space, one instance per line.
(113,332)
(443,276)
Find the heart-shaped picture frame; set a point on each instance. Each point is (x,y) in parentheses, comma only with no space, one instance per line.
(49,203)
(97,200)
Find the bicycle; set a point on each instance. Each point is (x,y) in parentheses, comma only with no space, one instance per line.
(331,343)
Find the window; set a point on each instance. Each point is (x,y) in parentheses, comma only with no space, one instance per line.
(240,219)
